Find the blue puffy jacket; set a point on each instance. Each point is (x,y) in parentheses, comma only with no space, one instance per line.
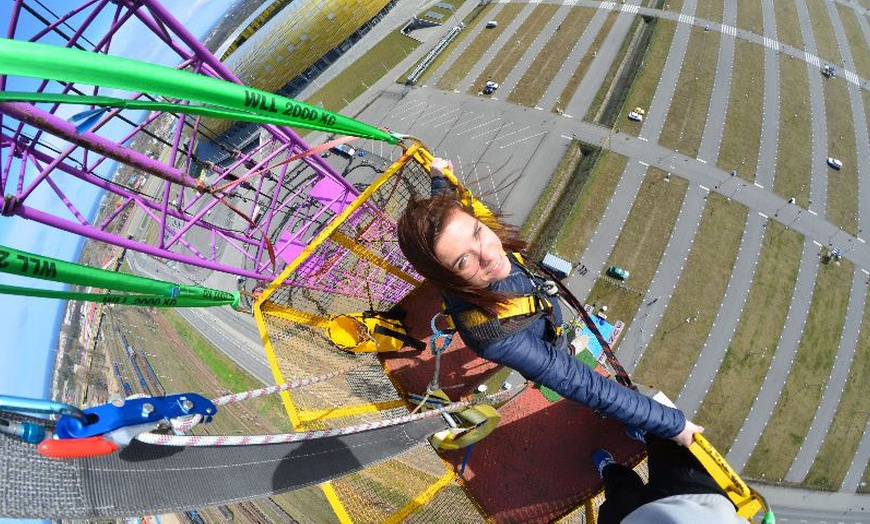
(529,352)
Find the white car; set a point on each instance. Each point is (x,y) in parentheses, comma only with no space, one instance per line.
(634,115)
(835,163)
(490,88)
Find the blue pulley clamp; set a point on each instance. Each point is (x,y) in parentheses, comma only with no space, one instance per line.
(103,419)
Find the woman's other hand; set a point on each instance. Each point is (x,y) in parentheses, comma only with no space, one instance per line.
(686,437)
(438,165)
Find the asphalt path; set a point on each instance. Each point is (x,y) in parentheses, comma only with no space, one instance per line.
(664,94)
(714,128)
(460,48)
(510,81)
(665,280)
(232,332)
(584,95)
(768,146)
(852,480)
(563,76)
(835,384)
(722,330)
(819,124)
(777,374)
(727,318)
(503,40)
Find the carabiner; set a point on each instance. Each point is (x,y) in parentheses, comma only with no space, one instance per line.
(437,333)
(27,406)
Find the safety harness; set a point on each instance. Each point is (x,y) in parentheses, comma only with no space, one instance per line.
(516,314)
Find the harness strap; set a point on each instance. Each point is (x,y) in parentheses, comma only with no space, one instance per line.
(515,314)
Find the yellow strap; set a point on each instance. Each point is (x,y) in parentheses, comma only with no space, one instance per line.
(514,307)
(517,306)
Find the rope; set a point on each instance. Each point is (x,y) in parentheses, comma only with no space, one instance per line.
(436,352)
(187,423)
(621,374)
(255,440)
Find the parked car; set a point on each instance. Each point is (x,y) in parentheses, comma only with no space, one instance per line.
(344,150)
(490,87)
(835,163)
(634,115)
(617,273)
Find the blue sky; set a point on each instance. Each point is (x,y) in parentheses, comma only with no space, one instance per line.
(30,325)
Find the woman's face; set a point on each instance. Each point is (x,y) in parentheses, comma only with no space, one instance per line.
(471,250)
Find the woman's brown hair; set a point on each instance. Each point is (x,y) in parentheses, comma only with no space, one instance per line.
(419,228)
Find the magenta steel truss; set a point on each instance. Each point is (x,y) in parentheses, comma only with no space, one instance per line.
(146,171)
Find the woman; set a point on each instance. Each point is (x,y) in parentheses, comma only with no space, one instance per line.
(471,259)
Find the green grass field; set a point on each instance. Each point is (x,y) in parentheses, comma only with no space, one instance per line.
(795,143)
(742,372)
(749,17)
(823,33)
(474,52)
(684,125)
(367,70)
(586,213)
(742,137)
(709,10)
(643,89)
(674,348)
(842,208)
(847,428)
(507,57)
(787,29)
(641,244)
(551,59)
(585,62)
(799,399)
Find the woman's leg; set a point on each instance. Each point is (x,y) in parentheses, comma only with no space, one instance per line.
(622,489)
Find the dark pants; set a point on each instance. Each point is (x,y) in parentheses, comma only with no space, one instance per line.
(673,470)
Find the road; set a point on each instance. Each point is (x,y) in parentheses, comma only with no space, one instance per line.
(232,332)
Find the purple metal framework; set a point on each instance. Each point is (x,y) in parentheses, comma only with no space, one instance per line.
(162,188)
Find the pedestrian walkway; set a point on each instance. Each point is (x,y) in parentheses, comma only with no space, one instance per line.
(504,39)
(532,51)
(593,79)
(563,76)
